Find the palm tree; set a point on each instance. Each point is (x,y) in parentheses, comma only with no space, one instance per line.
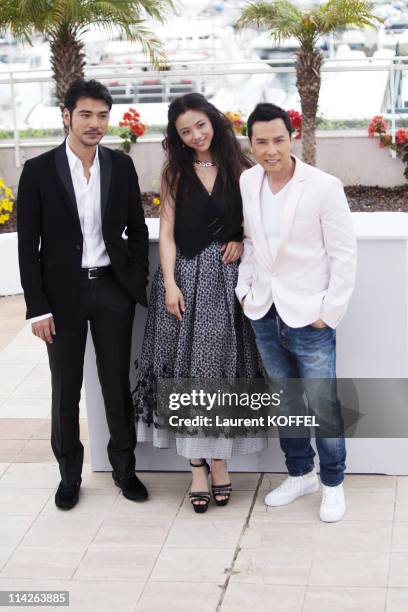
(63,23)
(284,19)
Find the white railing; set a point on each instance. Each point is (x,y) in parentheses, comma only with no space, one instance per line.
(200,71)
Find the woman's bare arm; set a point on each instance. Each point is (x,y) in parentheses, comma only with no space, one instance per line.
(167,251)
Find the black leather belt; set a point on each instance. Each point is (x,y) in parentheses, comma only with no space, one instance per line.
(92,273)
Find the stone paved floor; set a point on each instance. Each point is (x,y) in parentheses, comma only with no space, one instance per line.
(114,555)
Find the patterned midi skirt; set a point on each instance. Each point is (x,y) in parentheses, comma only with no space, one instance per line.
(214,340)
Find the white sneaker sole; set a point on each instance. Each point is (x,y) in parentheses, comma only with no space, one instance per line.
(333,519)
(313,487)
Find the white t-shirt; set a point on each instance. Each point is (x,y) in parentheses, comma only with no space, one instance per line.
(272,205)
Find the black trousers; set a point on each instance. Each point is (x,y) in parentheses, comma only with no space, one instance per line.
(110,312)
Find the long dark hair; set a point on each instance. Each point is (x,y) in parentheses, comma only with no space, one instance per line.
(225,148)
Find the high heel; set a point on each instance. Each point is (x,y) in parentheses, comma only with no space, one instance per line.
(196,497)
(221,490)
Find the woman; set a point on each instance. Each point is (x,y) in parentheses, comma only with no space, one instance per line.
(195,326)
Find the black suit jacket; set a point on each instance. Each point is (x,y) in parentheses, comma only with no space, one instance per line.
(50,239)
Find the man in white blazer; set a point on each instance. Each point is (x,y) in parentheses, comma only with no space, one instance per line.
(295,281)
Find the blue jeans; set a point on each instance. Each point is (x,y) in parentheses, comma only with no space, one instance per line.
(303,353)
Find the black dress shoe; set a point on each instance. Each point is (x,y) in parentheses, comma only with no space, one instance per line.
(66,496)
(132,488)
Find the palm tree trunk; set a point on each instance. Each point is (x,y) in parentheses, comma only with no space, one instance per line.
(308,79)
(67,59)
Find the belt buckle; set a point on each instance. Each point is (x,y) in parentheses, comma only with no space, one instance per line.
(90,270)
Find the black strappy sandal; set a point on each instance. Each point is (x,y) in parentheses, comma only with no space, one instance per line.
(224,490)
(200,496)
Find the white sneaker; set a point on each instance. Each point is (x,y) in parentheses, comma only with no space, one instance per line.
(333,504)
(292,488)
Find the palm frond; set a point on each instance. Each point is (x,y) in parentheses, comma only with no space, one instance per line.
(18,18)
(57,17)
(46,14)
(134,10)
(341,13)
(282,17)
(152,46)
(136,32)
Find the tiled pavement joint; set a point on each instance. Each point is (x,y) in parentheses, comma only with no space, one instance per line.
(245,526)
(72,577)
(164,542)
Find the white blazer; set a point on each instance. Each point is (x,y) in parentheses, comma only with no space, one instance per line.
(312,275)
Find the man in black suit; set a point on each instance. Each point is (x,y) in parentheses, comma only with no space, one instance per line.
(74,203)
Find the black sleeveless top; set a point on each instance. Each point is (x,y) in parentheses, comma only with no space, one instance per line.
(202,218)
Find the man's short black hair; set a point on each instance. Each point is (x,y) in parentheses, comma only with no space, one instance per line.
(264,111)
(86,89)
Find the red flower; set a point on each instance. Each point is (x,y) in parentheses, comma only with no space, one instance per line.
(401,136)
(377,125)
(134,127)
(296,121)
(137,129)
(385,140)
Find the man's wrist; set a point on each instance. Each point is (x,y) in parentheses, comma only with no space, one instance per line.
(40,318)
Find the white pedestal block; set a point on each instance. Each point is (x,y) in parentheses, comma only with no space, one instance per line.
(10,283)
(372,342)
